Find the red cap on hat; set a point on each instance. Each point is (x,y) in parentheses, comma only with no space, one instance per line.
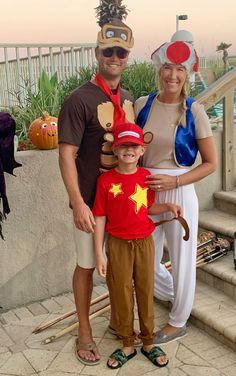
(128,132)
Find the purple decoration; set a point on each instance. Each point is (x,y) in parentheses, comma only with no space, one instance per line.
(7,160)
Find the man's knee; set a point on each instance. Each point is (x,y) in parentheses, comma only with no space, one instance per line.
(84,271)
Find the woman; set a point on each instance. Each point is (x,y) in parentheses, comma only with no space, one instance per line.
(180,129)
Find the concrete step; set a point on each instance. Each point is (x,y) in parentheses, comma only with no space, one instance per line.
(215,313)
(226,201)
(214,309)
(218,222)
(220,274)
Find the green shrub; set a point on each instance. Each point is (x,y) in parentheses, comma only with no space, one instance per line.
(139,79)
(44,96)
(217,71)
(84,74)
(48,95)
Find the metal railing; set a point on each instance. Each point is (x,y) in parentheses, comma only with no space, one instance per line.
(22,64)
(224,89)
(207,62)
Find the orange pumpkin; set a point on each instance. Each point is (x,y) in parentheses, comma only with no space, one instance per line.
(43,132)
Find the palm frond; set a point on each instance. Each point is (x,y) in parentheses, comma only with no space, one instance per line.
(109,10)
(223,46)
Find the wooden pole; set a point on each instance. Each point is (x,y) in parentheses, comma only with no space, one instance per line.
(39,329)
(69,329)
(207,254)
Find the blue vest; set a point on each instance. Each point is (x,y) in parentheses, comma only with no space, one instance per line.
(186,147)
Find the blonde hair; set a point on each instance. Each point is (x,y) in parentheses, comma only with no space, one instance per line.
(182,106)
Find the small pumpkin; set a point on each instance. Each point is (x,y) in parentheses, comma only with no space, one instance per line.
(43,132)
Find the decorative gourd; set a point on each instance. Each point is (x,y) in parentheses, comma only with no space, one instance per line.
(43,132)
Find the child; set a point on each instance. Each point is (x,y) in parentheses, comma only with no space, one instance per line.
(122,204)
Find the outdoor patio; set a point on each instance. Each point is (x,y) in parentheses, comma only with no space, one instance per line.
(22,353)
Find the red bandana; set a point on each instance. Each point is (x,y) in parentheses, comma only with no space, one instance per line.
(119,113)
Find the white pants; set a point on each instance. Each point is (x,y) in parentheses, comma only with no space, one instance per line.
(178,286)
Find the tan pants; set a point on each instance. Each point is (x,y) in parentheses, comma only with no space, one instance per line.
(131,263)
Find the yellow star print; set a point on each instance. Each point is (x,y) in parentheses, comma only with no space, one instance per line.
(139,197)
(116,189)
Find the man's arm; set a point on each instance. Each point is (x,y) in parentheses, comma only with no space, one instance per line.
(83,216)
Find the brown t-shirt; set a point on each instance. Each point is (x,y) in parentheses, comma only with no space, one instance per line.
(84,118)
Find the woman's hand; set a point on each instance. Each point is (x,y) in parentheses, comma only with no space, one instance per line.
(161,182)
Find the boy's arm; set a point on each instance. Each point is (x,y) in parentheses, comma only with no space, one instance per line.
(162,208)
(99,234)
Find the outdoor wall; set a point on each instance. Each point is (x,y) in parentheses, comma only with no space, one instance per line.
(37,256)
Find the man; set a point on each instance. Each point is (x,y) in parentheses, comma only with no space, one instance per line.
(87,114)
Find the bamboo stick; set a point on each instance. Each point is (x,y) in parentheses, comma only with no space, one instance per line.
(207,252)
(201,248)
(39,329)
(213,254)
(75,325)
(205,257)
(207,261)
(198,257)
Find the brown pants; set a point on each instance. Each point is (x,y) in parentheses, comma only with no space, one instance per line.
(131,263)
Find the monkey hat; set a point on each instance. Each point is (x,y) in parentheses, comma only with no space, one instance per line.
(114,33)
(177,52)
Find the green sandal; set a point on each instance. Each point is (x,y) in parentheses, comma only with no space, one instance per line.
(120,357)
(153,354)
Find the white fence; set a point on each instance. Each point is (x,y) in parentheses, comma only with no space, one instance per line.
(207,62)
(22,64)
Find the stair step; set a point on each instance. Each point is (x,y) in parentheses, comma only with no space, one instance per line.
(226,201)
(220,274)
(215,313)
(218,221)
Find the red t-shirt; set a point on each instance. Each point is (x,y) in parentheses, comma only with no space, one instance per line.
(124,200)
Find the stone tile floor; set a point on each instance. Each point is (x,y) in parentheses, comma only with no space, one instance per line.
(23,354)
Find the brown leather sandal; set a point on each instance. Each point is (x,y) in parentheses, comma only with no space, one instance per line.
(86,347)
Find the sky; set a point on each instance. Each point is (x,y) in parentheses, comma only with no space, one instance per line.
(153,22)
